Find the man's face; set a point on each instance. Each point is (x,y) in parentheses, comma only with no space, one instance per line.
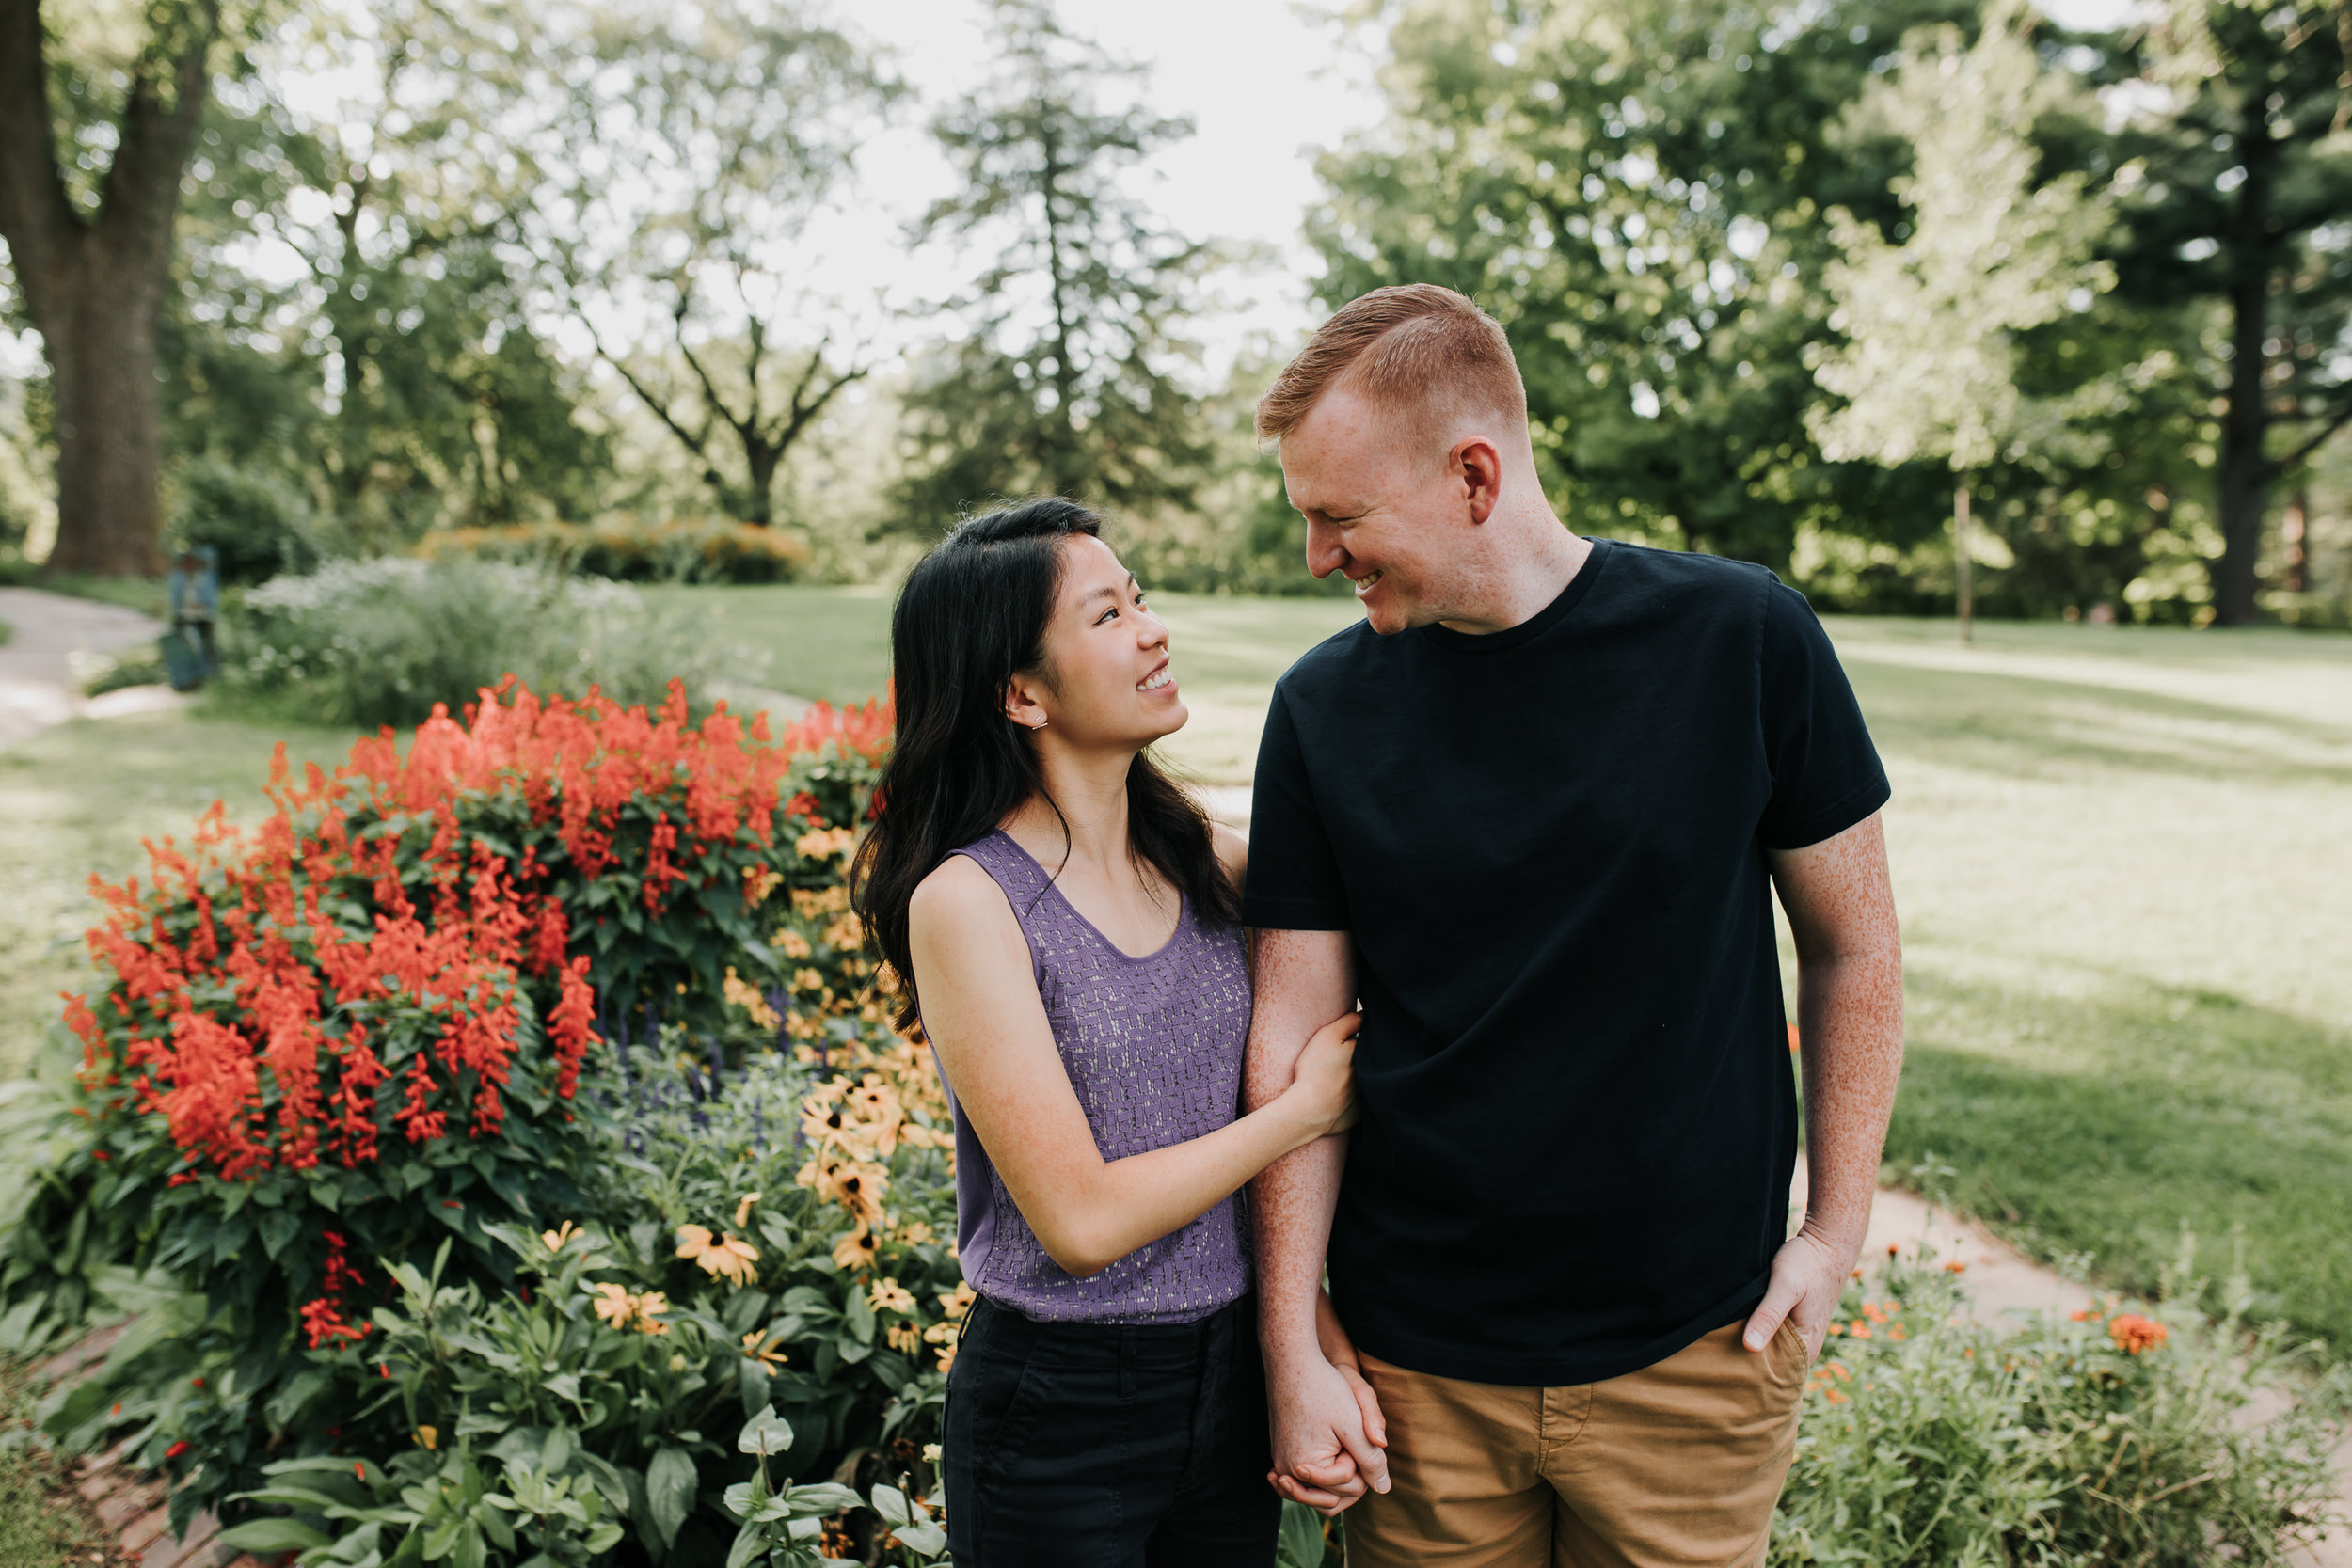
(1381,509)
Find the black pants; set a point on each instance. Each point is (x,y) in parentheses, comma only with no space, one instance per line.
(1108,1444)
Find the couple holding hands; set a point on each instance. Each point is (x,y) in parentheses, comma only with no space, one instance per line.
(1428,1154)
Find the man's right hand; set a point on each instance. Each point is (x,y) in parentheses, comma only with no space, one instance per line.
(1322,1455)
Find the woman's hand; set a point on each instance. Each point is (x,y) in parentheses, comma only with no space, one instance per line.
(1322,1090)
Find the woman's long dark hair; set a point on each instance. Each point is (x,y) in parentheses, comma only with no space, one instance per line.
(972,616)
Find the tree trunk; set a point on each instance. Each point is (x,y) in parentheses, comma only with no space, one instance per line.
(93,283)
(2297,529)
(2246,469)
(1961,564)
(102,366)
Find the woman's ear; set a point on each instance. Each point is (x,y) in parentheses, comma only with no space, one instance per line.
(1023,703)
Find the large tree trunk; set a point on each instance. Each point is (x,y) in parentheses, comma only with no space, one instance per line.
(101,368)
(93,284)
(2247,468)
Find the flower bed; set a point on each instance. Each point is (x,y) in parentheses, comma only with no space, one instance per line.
(522,1080)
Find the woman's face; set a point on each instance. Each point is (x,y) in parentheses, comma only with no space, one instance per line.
(1107,680)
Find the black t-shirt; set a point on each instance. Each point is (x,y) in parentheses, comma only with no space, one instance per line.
(1547,843)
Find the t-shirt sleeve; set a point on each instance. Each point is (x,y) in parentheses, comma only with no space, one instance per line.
(1825,773)
(1293,883)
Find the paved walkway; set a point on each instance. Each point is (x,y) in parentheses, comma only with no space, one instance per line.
(38,683)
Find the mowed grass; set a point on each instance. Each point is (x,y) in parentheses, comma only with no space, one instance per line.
(2122,858)
(77,800)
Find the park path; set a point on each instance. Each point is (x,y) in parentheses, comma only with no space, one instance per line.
(38,684)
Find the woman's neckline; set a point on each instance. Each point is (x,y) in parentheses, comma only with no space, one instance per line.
(1183,906)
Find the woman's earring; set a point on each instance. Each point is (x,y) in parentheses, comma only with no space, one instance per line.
(1039,725)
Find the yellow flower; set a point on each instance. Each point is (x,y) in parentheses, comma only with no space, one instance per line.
(947,1358)
(723,1256)
(856,1250)
(820,844)
(613,1303)
(956,1303)
(807,979)
(741,994)
(758,1347)
(845,934)
(791,943)
(558,1239)
(428,1438)
(888,1295)
(649,1308)
(743,1209)
(758,882)
(857,1185)
(915,1234)
(905,1338)
(816,904)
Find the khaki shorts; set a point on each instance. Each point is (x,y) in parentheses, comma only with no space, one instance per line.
(1677,1464)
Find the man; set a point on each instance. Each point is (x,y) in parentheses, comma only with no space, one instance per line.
(1531,812)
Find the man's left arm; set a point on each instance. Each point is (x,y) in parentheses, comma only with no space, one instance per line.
(1849,1018)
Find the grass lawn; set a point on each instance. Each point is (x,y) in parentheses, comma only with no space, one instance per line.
(2120,855)
(77,800)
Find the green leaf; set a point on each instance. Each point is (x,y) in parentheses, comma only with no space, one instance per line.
(270,1536)
(1299,1543)
(930,1540)
(750,1542)
(858,1312)
(471,1552)
(891,1504)
(669,1491)
(278,1227)
(764,1433)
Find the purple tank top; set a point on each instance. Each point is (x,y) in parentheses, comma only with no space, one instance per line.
(1153,1048)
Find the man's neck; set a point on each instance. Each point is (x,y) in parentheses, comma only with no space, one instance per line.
(1535,565)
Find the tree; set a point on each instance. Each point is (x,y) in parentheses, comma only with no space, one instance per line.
(2244,155)
(1927,365)
(707,139)
(1065,380)
(1635,188)
(93,257)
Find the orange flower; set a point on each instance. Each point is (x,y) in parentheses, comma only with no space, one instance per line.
(759,1346)
(2134,1335)
(721,1256)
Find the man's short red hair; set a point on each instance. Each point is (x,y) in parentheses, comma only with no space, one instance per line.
(1408,349)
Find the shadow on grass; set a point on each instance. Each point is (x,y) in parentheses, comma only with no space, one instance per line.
(2101,1126)
(2021,726)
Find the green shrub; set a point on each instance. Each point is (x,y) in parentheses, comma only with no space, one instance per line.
(257,523)
(2118,1437)
(385,641)
(628,552)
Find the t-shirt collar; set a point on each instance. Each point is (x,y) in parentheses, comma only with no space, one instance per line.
(1534,626)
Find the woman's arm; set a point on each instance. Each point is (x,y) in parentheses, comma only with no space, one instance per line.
(980,1008)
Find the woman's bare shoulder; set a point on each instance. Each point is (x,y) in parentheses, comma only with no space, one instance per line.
(1232,851)
(958,895)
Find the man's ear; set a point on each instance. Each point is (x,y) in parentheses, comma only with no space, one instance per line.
(1479,467)
(1023,703)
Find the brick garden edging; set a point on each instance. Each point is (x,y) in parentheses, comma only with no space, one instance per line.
(134,1505)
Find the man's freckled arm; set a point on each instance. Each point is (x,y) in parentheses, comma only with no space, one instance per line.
(1304,980)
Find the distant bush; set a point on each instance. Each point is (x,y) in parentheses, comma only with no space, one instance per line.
(681,551)
(257,523)
(382,642)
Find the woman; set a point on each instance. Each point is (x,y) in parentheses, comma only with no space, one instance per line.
(1064,919)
